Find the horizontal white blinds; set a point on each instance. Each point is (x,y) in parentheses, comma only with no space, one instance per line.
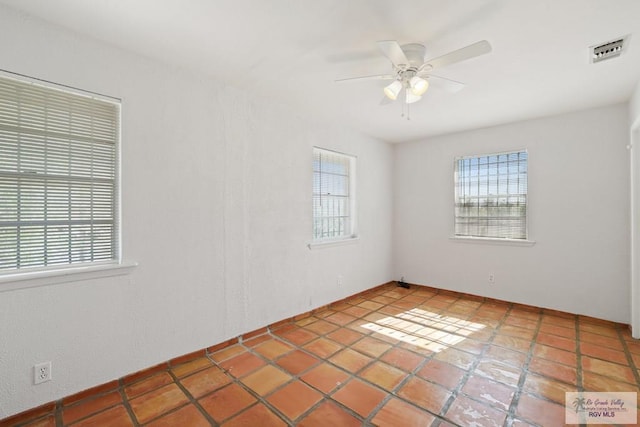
(491,196)
(331,195)
(57,177)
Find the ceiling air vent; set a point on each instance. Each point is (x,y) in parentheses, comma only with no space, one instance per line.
(608,50)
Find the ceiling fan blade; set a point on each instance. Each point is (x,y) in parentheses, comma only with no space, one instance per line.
(462,54)
(374,77)
(392,50)
(451,86)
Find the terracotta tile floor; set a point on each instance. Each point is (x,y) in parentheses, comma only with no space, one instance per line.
(391,357)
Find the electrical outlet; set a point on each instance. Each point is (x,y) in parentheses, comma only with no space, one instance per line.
(42,373)
(492,279)
(339,280)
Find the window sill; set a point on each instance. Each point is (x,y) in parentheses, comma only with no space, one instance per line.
(14,281)
(332,243)
(492,241)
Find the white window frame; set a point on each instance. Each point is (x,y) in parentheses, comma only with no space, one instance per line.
(458,235)
(75,268)
(350,232)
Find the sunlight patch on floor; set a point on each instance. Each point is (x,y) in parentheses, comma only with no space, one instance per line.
(432,331)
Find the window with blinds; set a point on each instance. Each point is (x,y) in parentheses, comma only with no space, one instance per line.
(333,195)
(491,196)
(58,152)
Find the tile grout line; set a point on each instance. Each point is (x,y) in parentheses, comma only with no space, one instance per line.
(487,343)
(259,398)
(511,412)
(630,360)
(297,377)
(627,354)
(408,377)
(174,380)
(326,396)
(58,411)
(127,403)
(579,376)
(300,347)
(190,397)
(388,394)
(58,414)
(458,388)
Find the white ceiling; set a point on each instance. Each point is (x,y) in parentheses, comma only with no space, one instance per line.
(290,51)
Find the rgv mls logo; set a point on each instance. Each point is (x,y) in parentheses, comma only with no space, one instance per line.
(601,408)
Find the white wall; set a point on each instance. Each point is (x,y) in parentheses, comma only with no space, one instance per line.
(634,106)
(578,215)
(634,136)
(216,209)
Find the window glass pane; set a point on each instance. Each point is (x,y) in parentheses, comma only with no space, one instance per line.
(491,196)
(332,194)
(57,177)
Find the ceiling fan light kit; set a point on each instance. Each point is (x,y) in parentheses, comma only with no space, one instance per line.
(410,97)
(418,85)
(393,90)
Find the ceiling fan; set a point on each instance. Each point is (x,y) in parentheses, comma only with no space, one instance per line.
(411,72)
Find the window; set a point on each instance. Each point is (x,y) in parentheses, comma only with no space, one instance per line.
(491,196)
(57,177)
(333,195)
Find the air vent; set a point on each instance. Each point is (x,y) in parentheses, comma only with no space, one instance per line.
(608,50)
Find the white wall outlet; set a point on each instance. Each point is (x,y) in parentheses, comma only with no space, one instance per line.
(42,373)
(492,279)
(339,280)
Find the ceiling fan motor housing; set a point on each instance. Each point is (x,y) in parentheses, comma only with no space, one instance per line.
(415,53)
